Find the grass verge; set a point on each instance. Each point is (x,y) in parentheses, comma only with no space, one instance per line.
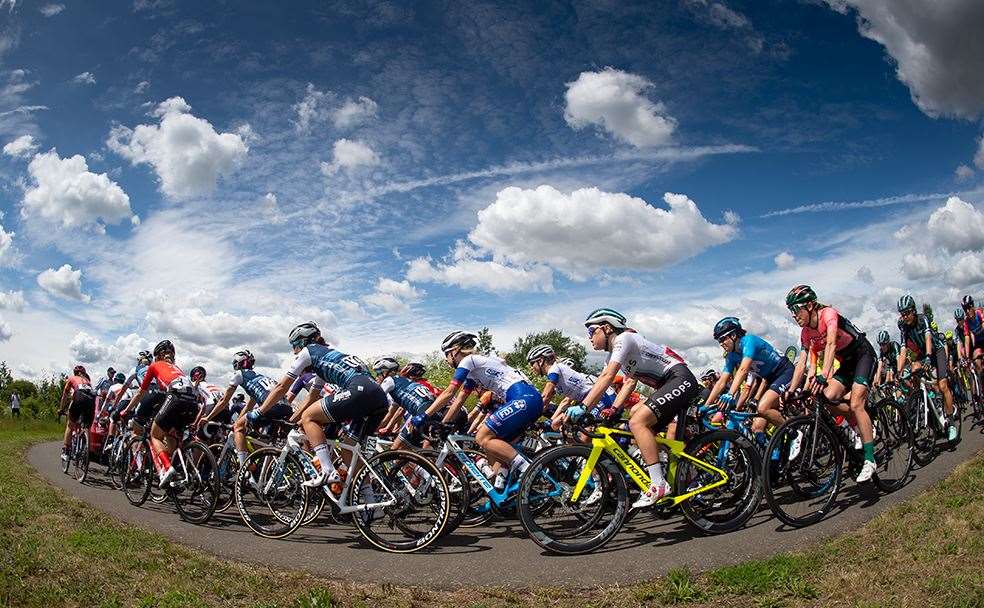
(56,551)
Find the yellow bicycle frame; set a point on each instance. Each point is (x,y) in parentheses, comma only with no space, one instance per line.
(602,442)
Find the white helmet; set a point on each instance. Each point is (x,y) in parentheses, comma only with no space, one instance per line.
(539,351)
(606,315)
(385,364)
(303,334)
(458,338)
(568,362)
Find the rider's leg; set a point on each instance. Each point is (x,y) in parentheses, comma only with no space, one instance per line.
(768,409)
(239,438)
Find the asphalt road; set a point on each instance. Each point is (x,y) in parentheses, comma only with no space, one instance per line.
(500,555)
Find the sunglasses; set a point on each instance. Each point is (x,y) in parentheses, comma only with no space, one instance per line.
(592,329)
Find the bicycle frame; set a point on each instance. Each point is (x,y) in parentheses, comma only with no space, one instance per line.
(451,447)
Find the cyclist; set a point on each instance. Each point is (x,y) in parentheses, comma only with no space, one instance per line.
(652,364)
(179,406)
(824,330)
(571,385)
(78,391)
(745,353)
(972,324)
(102,388)
(358,399)
(707,381)
(888,358)
(522,403)
(927,349)
(408,395)
(143,411)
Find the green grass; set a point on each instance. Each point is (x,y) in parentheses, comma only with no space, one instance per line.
(56,551)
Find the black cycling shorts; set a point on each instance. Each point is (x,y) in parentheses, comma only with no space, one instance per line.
(362,401)
(179,410)
(83,407)
(859,365)
(675,395)
(148,407)
(939,362)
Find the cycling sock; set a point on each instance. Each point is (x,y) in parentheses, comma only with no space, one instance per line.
(869,451)
(241,455)
(324,457)
(164,460)
(655,474)
(761,438)
(520,463)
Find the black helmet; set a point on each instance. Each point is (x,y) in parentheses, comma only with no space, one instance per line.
(967,302)
(164,348)
(304,334)
(458,339)
(710,374)
(726,327)
(80,371)
(413,369)
(198,373)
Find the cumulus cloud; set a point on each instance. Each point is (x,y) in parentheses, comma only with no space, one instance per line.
(393,296)
(546,226)
(354,112)
(785,260)
(864,275)
(937,47)
(966,270)
(486,275)
(963,172)
(65,191)
(12,300)
(84,78)
(5,332)
(917,266)
(50,10)
(615,101)
(957,226)
(6,238)
(63,283)
(352,310)
(349,155)
(86,348)
(187,153)
(22,147)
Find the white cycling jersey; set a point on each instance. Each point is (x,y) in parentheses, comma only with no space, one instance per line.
(489,372)
(571,383)
(643,360)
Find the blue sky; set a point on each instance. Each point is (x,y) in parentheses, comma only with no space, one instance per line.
(217,172)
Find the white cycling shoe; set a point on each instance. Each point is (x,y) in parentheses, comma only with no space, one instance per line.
(654,495)
(867,471)
(323,478)
(166,478)
(795,446)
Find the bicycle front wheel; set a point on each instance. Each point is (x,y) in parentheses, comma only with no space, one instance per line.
(458,488)
(269,494)
(81,457)
(196,492)
(923,436)
(730,505)
(893,445)
(138,471)
(559,524)
(420,501)
(803,486)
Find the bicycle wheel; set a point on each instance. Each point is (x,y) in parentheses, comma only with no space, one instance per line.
(459,488)
(560,525)
(80,445)
(196,489)
(893,445)
(480,505)
(138,472)
(421,504)
(269,494)
(226,470)
(730,505)
(66,462)
(802,489)
(117,463)
(923,436)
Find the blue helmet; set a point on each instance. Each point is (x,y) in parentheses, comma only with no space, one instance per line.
(958,314)
(728,326)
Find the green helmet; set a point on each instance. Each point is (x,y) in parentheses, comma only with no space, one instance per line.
(883,337)
(606,315)
(906,303)
(799,295)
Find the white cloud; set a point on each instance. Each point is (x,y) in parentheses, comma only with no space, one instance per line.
(86,348)
(12,300)
(6,238)
(963,172)
(785,261)
(85,78)
(352,310)
(917,266)
(489,276)
(865,275)
(50,10)
(979,156)
(392,296)
(22,147)
(64,283)
(546,226)
(187,153)
(5,332)
(141,86)
(354,113)
(349,155)
(957,226)
(271,208)
(937,48)
(65,191)
(967,270)
(615,101)
(309,109)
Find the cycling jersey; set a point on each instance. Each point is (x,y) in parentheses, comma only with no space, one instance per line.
(137,374)
(78,383)
(765,358)
(573,384)
(815,340)
(166,374)
(975,326)
(412,396)
(328,364)
(424,382)
(891,356)
(209,394)
(489,372)
(643,360)
(257,386)
(914,336)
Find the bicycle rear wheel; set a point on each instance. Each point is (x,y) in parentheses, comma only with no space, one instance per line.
(560,525)
(458,488)
(893,445)
(117,463)
(196,492)
(730,505)
(138,472)
(923,436)
(226,470)
(269,494)
(421,508)
(803,488)
(80,445)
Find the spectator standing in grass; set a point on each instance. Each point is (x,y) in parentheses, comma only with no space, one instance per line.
(14,405)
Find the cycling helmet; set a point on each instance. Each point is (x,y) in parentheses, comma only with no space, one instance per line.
(79,371)
(539,351)
(799,295)
(883,337)
(726,327)
(198,373)
(906,303)
(385,364)
(967,302)
(958,314)
(710,374)
(119,378)
(949,336)
(413,369)
(243,360)
(304,334)
(606,315)
(164,347)
(567,361)
(144,355)
(458,339)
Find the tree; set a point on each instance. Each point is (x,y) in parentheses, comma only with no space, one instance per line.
(5,376)
(563,345)
(485,341)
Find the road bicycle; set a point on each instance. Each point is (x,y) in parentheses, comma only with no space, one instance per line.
(574,499)
(77,457)
(927,418)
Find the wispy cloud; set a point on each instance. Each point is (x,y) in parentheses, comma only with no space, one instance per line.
(867,204)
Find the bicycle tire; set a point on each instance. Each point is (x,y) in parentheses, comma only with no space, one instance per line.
(116,464)
(196,494)
(226,470)
(80,445)
(893,443)
(398,470)
(739,497)
(581,528)
(273,504)
(459,488)
(138,475)
(923,436)
(813,475)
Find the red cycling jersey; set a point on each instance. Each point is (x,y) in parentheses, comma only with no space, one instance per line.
(164,372)
(433,389)
(75,383)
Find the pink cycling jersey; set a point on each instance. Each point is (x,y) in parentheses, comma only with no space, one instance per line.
(815,340)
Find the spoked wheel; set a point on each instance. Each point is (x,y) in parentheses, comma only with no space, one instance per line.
(196,488)
(458,488)
(562,525)
(226,470)
(116,464)
(138,471)
(269,493)
(923,435)
(893,445)
(80,445)
(803,487)
(420,501)
(730,505)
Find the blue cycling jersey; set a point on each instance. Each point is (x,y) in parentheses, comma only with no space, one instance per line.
(330,365)
(412,396)
(765,358)
(257,386)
